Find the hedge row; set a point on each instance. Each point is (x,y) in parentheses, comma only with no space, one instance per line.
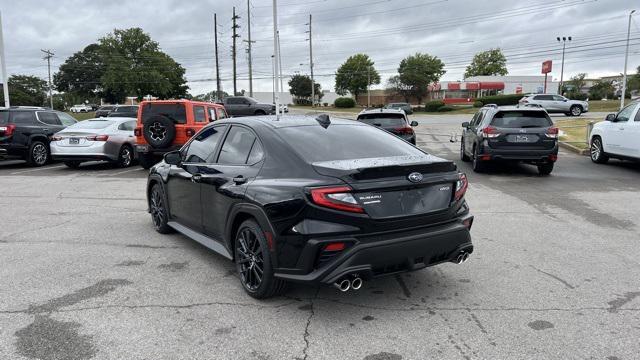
(344,102)
(500,100)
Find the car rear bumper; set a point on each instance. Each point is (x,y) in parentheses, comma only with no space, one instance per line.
(538,155)
(386,254)
(149,150)
(97,151)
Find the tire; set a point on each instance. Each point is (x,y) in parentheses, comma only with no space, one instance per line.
(38,154)
(146,160)
(259,112)
(158,209)
(252,256)
(159,131)
(463,156)
(72,164)
(478,165)
(545,169)
(125,157)
(596,151)
(575,110)
(413,141)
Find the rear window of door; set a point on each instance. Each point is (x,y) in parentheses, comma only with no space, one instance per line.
(237,146)
(198,114)
(127,126)
(221,113)
(22,117)
(203,146)
(49,118)
(175,112)
(521,119)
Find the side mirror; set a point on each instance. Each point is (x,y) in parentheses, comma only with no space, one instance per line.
(565,100)
(465,124)
(414,123)
(610,117)
(173,158)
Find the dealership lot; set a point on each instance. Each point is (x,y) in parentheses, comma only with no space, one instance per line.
(553,275)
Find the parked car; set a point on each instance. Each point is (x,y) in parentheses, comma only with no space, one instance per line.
(310,200)
(618,136)
(93,107)
(525,134)
(401,106)
(25,132)
(556,104)
(103,111)
(130,111)
(284,108)
(95,139)
(80,108)
(392,120)
(246,106)
(166,125)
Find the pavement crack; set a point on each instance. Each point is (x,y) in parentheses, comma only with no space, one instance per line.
(564,282)
(307,335)
(616,304)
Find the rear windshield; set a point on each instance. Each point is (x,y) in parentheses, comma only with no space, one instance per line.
(384,120)
(521,119)
(106,108)
(91,124)
(175,112)
(344,142)
(4,117)
(126,108)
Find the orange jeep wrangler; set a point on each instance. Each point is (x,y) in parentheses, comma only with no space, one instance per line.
(166,125)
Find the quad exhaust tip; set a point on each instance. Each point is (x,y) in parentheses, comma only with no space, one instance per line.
(343,285)
(462,257)
(356,283)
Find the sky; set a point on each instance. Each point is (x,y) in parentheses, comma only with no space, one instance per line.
(386,30)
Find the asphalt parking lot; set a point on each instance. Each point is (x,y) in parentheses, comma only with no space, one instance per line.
(554,275)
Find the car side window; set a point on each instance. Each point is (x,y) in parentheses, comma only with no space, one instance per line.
(637,118)
(48,118)
(66,119)
(237,146)
(198,114)
(558,98)
(127,126)
(256,153)
(203,146)
(222,114)
(625,114)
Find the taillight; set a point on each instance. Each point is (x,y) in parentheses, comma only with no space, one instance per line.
(461,187)
(98,137)
(190,132)
(552,132)
(490,132)
(8,129)
(338,198)
(137,132)
(407,130)
(56,138)
(336,246)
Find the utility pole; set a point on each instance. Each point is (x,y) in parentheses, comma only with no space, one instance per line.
(48,55)
(626,58)
(368,87)
(280,61)
(215,35)
(313,84)
(3,60)
(233,49)
(276,56)
(564,43)
(273,80)
(249,46)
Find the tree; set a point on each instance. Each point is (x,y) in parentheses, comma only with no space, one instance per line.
(487,63)
(577,82)
(210,96)
(602,90)
(417,71)
(81,73)
(26,90)
(396,87)
(355,75)
(300,88)
(134,65)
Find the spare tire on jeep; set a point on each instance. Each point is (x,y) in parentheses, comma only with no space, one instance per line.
(159,131)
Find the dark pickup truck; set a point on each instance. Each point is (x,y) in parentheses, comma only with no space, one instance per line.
(246,106)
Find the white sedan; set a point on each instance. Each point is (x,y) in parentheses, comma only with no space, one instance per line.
(618,136)
(80,108)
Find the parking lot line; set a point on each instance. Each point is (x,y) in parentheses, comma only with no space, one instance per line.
(37,169)
(125,171)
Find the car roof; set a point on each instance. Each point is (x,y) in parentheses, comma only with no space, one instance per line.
(115,118)
(517,108)
(284,121)
(382,110)
(179,101)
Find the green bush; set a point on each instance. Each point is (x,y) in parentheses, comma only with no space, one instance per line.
(445,108)
(478,104)
(433,106)
(344,102)
(501,100)
(577,96)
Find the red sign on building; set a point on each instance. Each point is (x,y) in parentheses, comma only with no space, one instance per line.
(546,67)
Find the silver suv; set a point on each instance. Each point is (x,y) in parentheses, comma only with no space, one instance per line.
(556,104)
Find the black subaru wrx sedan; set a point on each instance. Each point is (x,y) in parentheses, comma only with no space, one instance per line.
(311,200)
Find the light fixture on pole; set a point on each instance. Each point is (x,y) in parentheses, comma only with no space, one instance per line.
(626,58)
(564,45)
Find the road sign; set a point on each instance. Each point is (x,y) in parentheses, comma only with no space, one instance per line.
(546,67)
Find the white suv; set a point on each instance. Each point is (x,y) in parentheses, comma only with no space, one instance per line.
(618,136)
(80,108)
(556,104)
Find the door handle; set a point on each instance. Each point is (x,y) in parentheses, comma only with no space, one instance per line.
(239,180)
(196,178)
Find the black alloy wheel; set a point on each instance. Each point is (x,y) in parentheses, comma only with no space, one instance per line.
(158,210)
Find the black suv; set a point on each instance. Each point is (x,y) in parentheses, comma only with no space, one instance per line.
(25,132)
(124,111)
(523,133)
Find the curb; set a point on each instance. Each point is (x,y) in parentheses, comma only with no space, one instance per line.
(573,148)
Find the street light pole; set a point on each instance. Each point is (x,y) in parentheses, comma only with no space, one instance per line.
(276,54)
(626,58)
(564,43)
(3,60)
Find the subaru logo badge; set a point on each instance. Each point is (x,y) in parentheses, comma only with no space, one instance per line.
(415,177)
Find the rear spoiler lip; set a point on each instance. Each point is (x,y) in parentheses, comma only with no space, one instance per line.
(393,166)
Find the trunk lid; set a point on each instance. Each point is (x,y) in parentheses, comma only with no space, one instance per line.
(394,187)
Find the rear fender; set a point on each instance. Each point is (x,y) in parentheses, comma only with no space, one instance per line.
(255,212)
